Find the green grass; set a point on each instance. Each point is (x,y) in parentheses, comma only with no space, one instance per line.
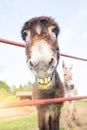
(8,98)
(83,100)
(27,123)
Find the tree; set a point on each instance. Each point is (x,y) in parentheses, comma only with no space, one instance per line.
(4,90)
(3,85)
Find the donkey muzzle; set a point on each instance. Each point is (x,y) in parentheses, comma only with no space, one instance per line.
(44,73)
(42,62)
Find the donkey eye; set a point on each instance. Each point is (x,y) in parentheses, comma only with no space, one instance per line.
(24,35)
(55,31)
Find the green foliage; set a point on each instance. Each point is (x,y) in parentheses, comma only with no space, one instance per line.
(3,93)
(4,90)
(14,90)
(27,87)
(3,85)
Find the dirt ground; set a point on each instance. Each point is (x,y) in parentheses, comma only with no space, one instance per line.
(12,113)
(16,112)
(81,116)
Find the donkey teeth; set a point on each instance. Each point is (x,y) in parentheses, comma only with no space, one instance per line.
(44,80)
(49,79)
(41,81)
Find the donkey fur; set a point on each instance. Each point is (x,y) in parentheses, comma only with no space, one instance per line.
(48,114)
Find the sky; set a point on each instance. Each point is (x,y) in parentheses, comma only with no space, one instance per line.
(71,16)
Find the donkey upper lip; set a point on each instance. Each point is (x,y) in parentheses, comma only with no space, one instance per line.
(44,80)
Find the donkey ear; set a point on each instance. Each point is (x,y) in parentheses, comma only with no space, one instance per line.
(63,64)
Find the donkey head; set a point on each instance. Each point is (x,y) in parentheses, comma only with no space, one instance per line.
(67,76)
(42,50)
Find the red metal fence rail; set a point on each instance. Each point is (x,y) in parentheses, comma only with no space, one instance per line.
(42,101)
(23,45)
(39,102)
(11,42)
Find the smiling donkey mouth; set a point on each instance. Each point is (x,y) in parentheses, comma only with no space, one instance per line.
(44,83)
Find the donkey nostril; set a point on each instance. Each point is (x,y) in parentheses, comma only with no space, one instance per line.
(72,86)
(51,61)
(31,64)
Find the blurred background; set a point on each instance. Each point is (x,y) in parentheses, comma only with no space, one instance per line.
(71,16)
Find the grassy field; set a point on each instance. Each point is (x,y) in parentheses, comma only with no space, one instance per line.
(30,122)
(8,98)
(26,123)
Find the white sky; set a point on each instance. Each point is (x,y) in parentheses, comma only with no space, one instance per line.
(72,18)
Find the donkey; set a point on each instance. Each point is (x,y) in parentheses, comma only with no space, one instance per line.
(42,52)
(70,91)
